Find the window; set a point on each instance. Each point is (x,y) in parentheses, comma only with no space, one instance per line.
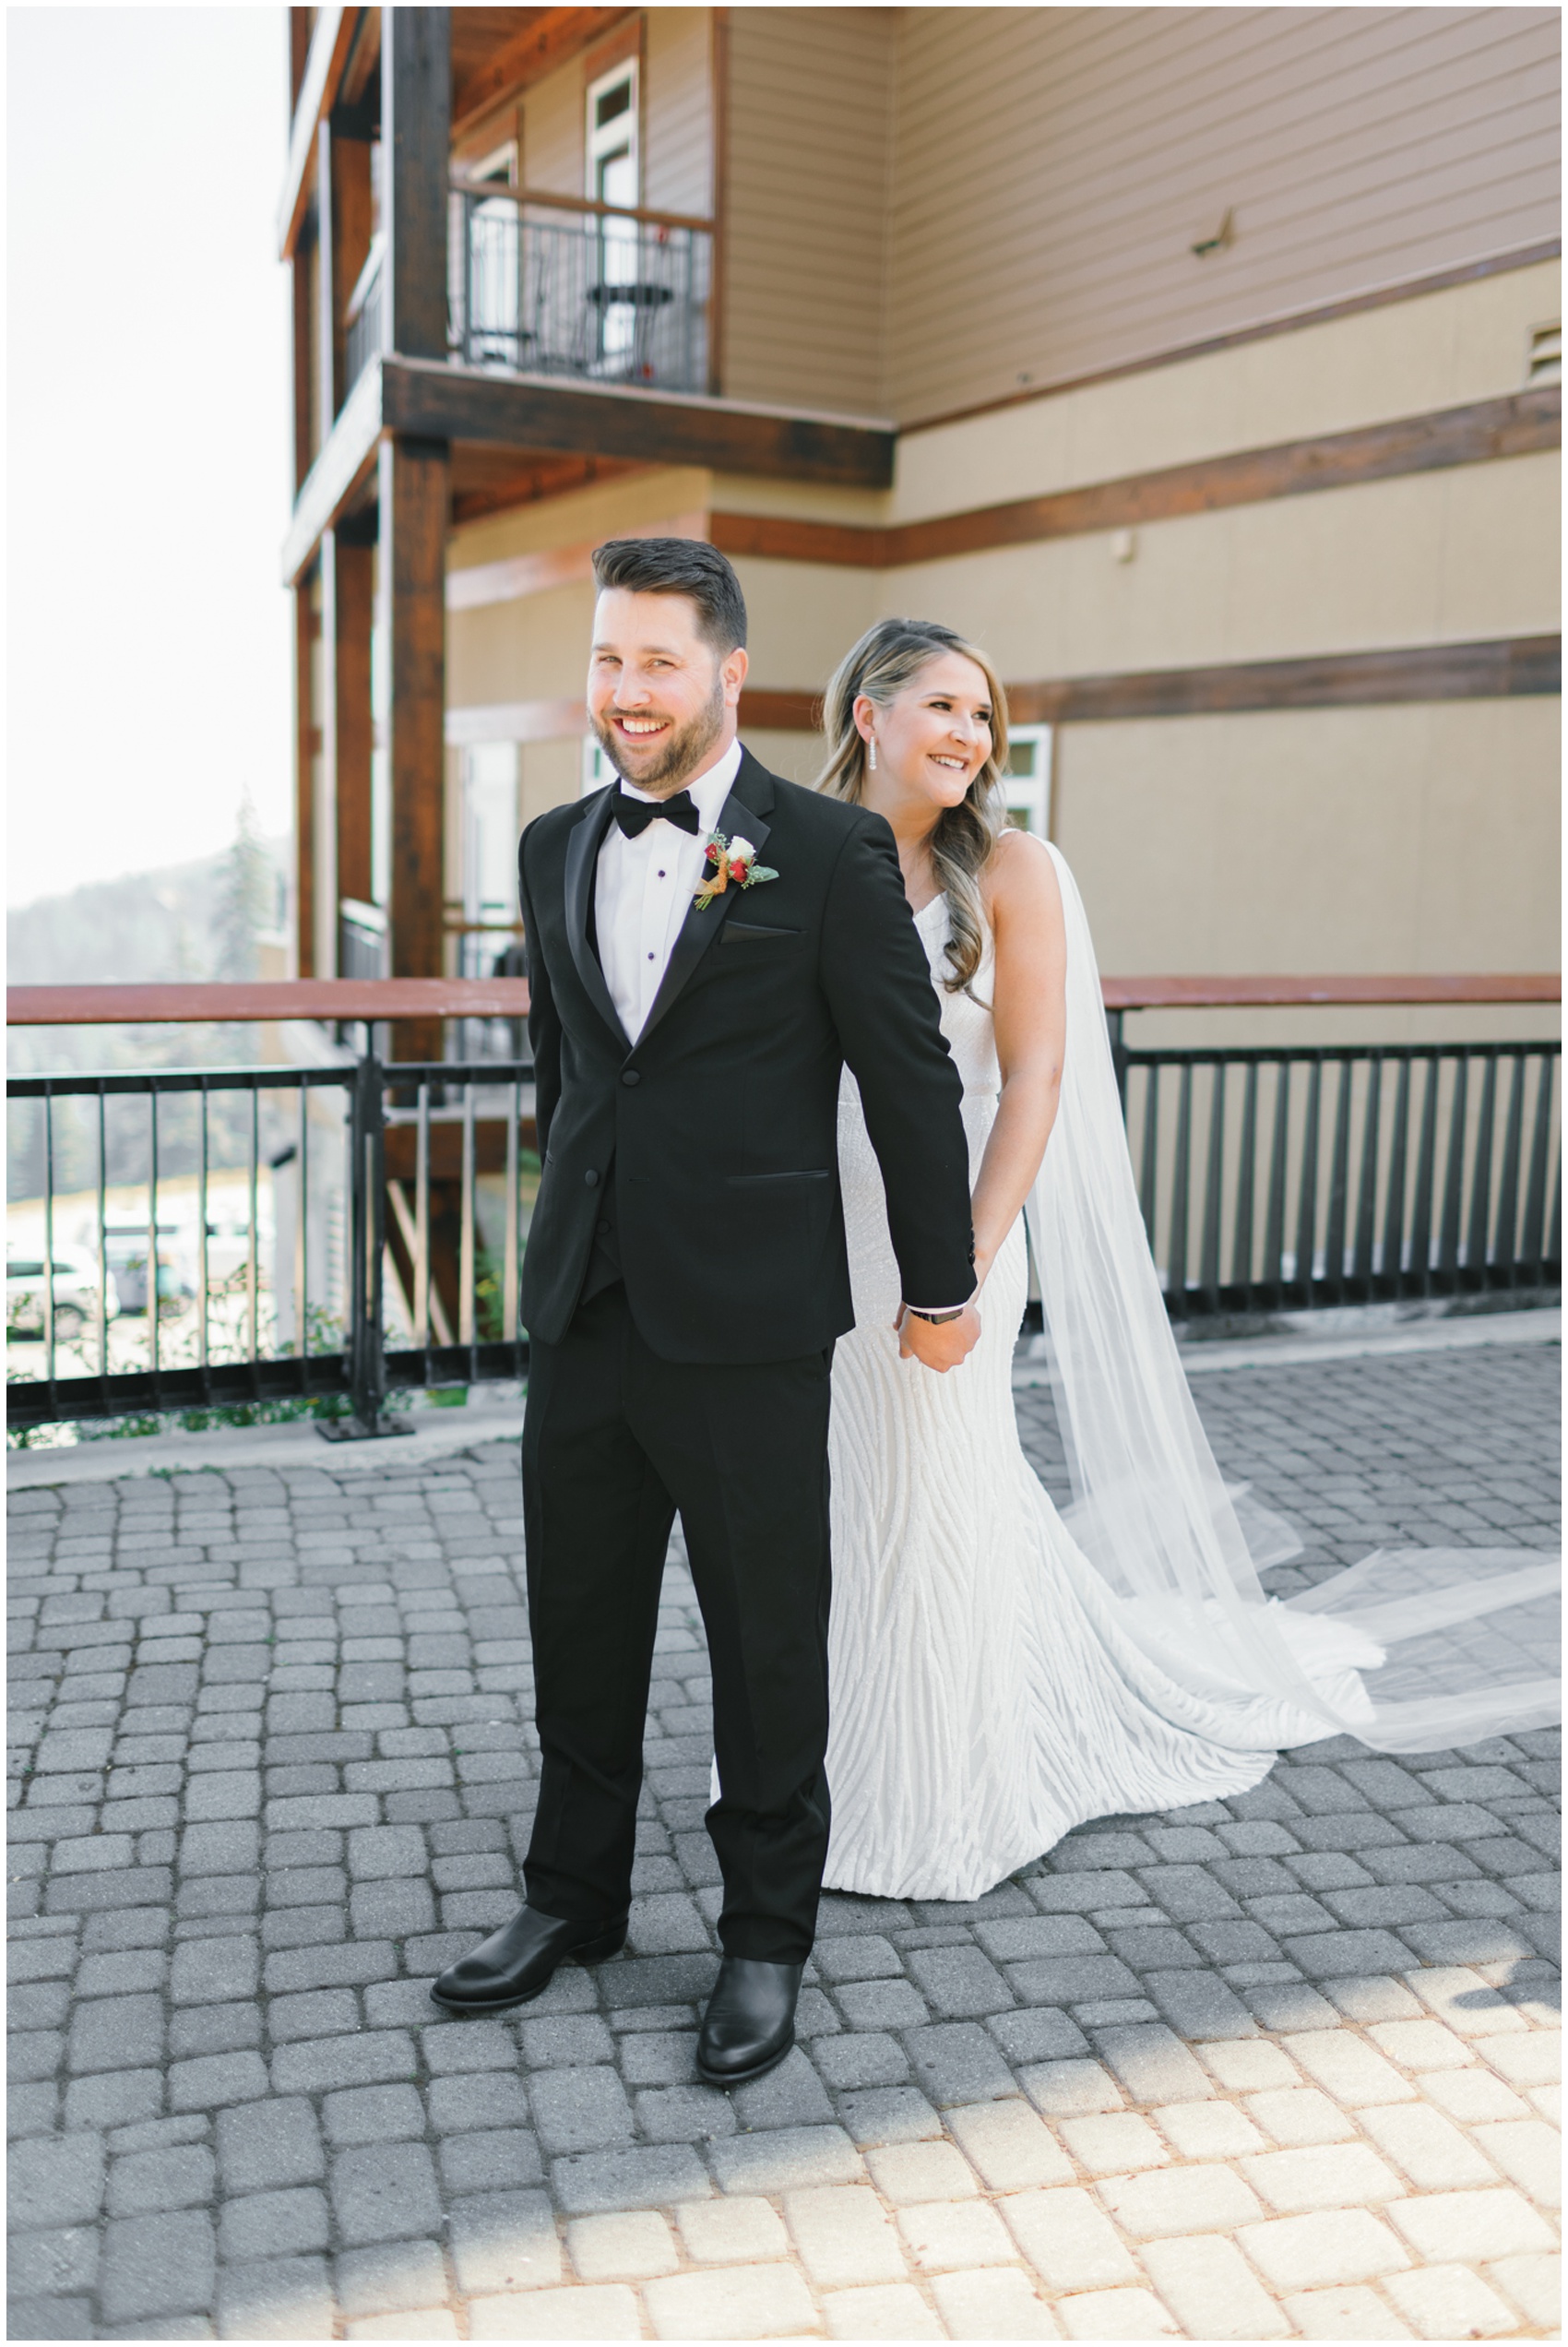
(1544,360)
(614,177)
(490,832)
(1028,779)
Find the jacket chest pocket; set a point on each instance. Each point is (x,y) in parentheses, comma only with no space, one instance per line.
(755,937)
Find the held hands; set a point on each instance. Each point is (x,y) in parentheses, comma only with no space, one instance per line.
(941,1345)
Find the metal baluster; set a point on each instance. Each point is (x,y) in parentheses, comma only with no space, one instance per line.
(252,1279)
(1505,1262)
(1246,1178)
(203,1267)
(1480,1180)
(49,1241)
(1273,1281)
(1394,1208)
(1208,1275)
(152,1335)
(421,1227)
(102,1245)
(376,1188)
(1426,1176)
(1454,1180)
(1306,1203)
(302,1208)
(1532,1242)
(1338,1185)
(466,1315)
(1176,1294)
(514,1219)
(1366,1206)
(1150,1172)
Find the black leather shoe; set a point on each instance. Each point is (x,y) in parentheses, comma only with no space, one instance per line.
(750,2022)
(520,1959)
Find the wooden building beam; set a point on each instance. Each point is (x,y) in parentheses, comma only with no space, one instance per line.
(416,137)
(414,489)
(331,39)
(347,645)
(651,427)
(304,783)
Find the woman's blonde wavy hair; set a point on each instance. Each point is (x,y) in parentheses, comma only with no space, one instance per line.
(889,658)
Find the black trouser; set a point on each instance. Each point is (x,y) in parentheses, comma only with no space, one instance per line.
(614,1442)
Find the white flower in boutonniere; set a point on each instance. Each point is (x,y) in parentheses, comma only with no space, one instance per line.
(727,862)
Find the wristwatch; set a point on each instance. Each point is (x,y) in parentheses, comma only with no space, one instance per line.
(937,1319)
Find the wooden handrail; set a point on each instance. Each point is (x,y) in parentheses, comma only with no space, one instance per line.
(392,998)
(344,998)
(1269,993)
(593,205)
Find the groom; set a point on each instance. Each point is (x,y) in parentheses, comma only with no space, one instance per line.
(687,1276)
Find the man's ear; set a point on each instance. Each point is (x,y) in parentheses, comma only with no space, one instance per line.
(732,669)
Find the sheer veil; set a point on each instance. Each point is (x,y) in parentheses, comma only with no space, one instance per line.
(1409,1650)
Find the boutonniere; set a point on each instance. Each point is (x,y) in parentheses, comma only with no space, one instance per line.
(726,862)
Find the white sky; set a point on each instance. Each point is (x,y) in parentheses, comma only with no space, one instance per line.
(148,459)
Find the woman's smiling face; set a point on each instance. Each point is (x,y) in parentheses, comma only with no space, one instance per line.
(934,737)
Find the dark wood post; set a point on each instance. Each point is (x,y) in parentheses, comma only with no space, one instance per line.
(348,576)
(305,738)
(415,138)
(414,485)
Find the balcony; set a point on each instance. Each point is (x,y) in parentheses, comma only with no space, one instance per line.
(559,286)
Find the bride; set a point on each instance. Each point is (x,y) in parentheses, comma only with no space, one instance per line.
(1002,1672)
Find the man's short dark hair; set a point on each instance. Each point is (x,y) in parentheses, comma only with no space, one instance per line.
(679,566)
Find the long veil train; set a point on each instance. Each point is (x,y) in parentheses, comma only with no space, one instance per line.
(1154,1517)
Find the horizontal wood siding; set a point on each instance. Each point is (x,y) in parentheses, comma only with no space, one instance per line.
(1053,167)
(552,132)
(678,113)
(809,114)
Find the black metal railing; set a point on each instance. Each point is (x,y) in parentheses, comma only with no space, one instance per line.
(552,286)
(361,331)
(337,1232)
(1302,1177)
(364,940)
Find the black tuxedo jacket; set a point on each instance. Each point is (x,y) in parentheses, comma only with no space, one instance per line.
(719,1128)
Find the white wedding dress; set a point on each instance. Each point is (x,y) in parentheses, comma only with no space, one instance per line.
(996,1680)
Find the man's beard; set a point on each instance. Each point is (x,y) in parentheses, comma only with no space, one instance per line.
(682,750)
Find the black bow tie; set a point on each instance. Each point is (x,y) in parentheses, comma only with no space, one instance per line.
(634,816)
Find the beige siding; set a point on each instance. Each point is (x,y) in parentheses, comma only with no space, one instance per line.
(552,132)
(810,92)
(1053,167)
(1415,839)
(678,111)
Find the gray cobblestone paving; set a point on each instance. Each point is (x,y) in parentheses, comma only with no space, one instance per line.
(1275,2066)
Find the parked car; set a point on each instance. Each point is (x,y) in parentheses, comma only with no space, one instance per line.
(127,1262)
(76,1295)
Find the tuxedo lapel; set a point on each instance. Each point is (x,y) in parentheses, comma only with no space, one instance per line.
(582,865)
(742,814)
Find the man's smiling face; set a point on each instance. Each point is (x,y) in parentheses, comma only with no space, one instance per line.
(661,698)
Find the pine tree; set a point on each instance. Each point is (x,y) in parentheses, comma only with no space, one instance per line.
(244,901)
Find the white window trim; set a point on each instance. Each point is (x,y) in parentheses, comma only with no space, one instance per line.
(596,142)
(1033,791)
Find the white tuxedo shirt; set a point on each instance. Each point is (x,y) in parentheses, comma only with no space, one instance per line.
(644,889)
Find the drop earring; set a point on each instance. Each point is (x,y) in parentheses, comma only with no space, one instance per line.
(872,747)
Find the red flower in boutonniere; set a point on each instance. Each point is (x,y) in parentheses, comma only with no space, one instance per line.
(727,861)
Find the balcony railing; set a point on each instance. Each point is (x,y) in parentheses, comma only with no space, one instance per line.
(557,285)
(338,1232)
(561,285)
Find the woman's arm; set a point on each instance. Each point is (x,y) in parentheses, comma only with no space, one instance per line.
(1030,1009)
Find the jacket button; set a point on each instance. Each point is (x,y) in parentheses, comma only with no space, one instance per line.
(591,1179)
(631,1076)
